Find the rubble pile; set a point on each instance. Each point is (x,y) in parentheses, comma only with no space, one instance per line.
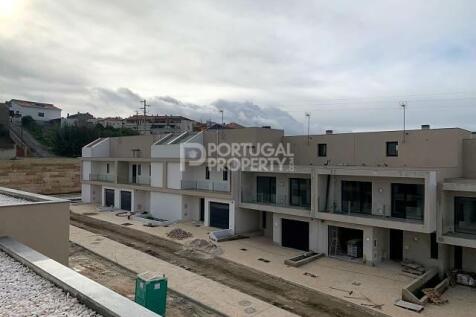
(205,246)
(179,234)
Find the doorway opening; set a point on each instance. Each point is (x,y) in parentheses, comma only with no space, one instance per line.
(346,243)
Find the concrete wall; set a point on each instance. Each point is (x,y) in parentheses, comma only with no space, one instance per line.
(166,206)
(4,116)
(191,208)
(8,154)
(469,157)
(123,146)
(469,260)
(141,200)
(42,226)
(157,178)
(247,220)
(435,148)
(43,176)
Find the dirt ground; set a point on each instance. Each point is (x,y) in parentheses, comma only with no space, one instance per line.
(294,298)
(122,281)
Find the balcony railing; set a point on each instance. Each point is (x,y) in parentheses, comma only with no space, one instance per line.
(252,200)
(139,180)
(101,178)
(378,214)
(208,185)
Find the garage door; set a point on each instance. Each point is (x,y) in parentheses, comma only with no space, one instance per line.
(126,200)
(295,234)
(109,197)
(219,215)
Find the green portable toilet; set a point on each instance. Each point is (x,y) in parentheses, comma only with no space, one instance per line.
(151,292)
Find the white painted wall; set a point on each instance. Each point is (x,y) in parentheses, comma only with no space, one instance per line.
(86,193)
(157,174)
(174,175)
(49,114)
(86,169)
(166,206)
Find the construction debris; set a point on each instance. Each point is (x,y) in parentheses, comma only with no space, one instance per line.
(303,259)
(413,268)
(434,296)
(467,279)
(205,246)
(342,290)
(410,306)
(179,234)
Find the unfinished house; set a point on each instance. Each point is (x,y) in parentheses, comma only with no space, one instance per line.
(367,197)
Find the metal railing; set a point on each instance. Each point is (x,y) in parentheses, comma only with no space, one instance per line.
(101,178)
(208,185)
(138,180)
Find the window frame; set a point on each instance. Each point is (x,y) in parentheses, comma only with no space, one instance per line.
(225,174)
(393,201)
(303,186)
(207,172)
(358,188)
(322,149)
(390,153)
(41,114)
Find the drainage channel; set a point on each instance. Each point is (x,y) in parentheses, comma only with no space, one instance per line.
(271,289)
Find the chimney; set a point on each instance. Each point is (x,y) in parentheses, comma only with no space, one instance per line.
(329,131)
(425,127)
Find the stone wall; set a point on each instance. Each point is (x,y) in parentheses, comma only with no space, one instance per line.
(42,176)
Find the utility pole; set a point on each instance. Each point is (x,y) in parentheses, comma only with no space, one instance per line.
(144,109)
(308,116)
(404,108)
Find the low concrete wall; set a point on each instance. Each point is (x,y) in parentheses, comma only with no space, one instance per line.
(8,154)
(42,176)
(42,225)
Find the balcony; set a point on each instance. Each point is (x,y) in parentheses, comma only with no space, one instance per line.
(108,178)
(274,203)
(206,185)
(138,180)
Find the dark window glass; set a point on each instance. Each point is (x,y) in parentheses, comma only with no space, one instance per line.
(465,215)
(357,197)
(300,192)
(392,148)
(263,219)
(322,149)
(434,246)
(139,169)
(266,189)
(107,168)
(408,201)
(41,114)
(225,174)
(207,173)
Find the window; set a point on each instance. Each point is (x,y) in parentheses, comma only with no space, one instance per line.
(322,150)
(139,169)
(225,174)
(392,148)
(266,189)
(41,114)
(107,168)
(408,201)
(300,192)
(357,197)
(263,219)
(434,246)
(465,215)
(207,172)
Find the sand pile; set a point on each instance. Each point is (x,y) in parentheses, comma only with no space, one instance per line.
(179,234)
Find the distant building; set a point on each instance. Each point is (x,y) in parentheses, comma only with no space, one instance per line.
(37,110)
(159,124)
(116,122)
(79,119)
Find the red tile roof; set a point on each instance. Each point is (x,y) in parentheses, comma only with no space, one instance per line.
(34,104)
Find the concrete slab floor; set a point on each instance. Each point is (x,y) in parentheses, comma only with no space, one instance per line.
(209,293)
(381,284)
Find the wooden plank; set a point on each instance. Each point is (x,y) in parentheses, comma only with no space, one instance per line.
(410,306)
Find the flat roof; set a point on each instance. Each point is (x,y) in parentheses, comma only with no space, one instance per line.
(376,132)
(26,293)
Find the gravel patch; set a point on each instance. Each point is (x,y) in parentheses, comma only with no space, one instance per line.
(11,200)
(24,293)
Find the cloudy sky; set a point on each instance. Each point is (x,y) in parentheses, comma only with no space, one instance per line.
(348,63)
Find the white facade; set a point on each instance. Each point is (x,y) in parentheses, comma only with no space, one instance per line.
(38,113)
